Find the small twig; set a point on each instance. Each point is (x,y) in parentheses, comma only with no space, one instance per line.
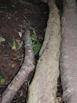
(23,74)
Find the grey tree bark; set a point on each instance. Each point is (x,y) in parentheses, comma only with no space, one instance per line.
(44,85)
(68,63)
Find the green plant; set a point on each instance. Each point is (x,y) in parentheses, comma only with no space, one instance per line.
(2,80)
(2,39)
(35,43)
(15,44)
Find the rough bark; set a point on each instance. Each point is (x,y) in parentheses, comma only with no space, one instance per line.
(69,52)
(23,73)
(44,85)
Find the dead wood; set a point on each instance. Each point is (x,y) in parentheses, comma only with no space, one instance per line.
(23,74)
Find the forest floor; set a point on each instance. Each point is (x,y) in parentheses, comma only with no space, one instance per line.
(12,45)
(11,40)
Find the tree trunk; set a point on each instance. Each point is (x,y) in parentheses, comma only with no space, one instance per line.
(69,52)
(44,85)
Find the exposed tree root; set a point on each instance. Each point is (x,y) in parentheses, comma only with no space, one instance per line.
(44,85)
(23,74)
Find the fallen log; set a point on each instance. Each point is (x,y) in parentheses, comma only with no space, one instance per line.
(68,62)
(44,85)
(23,74)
